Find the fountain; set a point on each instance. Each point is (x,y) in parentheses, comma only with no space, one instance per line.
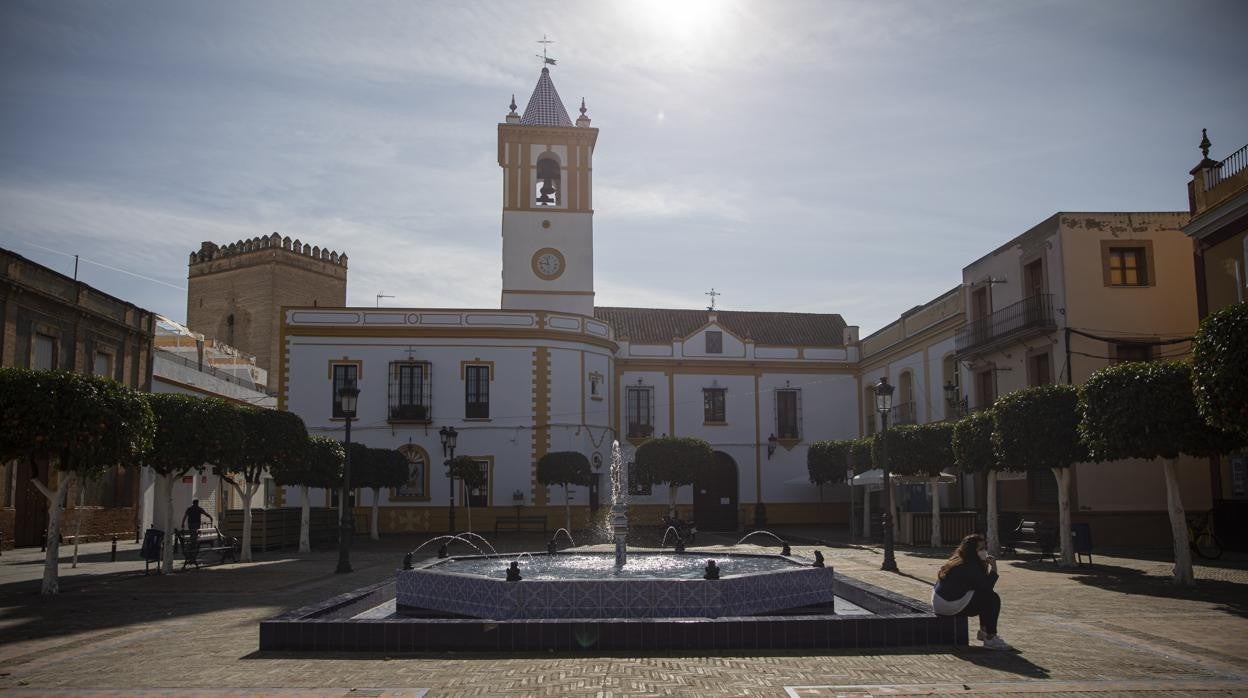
(612,600)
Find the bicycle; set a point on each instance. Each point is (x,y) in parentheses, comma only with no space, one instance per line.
(1201,536)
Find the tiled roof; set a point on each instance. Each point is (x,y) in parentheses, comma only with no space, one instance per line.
(545,108)
(661,325)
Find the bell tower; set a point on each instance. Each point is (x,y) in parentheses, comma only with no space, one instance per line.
(548,214)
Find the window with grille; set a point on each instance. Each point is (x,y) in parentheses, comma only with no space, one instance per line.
(788,414)
(409,391)
(1132,351)
(344,374)
(635,484)
(43,357)
(478,497)
(714,405)
(1038,370)
(639,409)
(102,364)
(476,392)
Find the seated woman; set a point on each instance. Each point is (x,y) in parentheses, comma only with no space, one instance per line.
(964,588)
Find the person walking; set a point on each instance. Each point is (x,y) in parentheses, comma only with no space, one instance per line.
(194,515)
(964,587)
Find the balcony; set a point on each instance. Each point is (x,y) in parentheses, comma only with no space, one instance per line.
(1027,317)
(1214,183)
(903,413)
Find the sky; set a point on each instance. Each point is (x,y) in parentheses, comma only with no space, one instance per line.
(831,157)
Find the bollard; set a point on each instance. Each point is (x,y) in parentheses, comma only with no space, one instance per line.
(112,555)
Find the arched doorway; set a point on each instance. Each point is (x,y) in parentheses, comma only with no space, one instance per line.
(715,496)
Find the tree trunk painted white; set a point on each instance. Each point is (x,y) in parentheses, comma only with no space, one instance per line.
(468,510)
(56,504)
(936,537)
(1183,573)
(567,509)
(866,512)
(82,500)
(994,536)
(671,501)
(853,520)
(164,489)
(246,495)
(1063,516)
(372,531)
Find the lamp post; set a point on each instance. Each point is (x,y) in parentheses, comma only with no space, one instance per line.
(760,509)
(449,436)
(884,405)
(348,400)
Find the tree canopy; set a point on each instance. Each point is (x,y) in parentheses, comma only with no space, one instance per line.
(467,470)
(972,443)
(827,462)
(1220,368)
(321,465)
(192,431)
(275,439)
(860,455)
(85,423)
(1147,410)
(914,449)
(1038,428)
(563,468)
(673,460)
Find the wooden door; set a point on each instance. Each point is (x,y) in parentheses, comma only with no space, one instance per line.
(715,497)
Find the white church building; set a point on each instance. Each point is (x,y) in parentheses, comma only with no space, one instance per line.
(549,370)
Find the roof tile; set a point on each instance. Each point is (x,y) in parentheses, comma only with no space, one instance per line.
(661,325)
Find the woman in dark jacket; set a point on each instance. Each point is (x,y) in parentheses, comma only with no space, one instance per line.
(964,588)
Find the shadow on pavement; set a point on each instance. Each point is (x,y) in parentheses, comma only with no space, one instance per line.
(1012,662)
(1231,597)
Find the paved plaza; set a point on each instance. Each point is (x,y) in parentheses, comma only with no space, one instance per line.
(1117,627)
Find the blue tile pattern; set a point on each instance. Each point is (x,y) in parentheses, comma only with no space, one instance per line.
(545,108)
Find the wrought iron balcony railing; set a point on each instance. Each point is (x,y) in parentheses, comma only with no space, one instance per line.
(1027,316)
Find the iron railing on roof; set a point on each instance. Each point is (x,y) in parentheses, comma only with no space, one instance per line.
(213,371)
(1029,314)
(1235,163)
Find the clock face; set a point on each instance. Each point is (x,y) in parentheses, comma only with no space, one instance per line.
(548,263)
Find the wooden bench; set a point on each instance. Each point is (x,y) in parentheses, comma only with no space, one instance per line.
(1041,534)
(206,540)
(519,523)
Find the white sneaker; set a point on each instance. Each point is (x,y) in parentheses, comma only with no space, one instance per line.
(996,643)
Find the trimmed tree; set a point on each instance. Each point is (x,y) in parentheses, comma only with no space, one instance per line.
(1148,410)
(673,460)
(919,450)
(565,468)
(469,474)
(78,425)
(190,433)
(827,462)
(274,440)
(973,453)
(1038,429)
(860,462)
(320,467)
(386,468)
(1220,368)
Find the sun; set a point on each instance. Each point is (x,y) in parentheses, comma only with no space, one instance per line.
(681,19)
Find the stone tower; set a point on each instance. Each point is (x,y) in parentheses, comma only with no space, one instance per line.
(548,214)
(235,292)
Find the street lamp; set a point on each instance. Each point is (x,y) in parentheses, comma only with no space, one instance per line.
(348,400)
(884,405)
(449,436)
(956,404)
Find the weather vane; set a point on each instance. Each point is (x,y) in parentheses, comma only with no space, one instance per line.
(546,60)
(712,293)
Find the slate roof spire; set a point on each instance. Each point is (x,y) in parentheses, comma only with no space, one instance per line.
(545,108)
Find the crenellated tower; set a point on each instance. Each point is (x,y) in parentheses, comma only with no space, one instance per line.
(548,228)
(235,292)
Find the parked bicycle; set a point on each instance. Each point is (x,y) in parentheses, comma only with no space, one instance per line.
(1201,536)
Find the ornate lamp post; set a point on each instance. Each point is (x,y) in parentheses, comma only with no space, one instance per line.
(348,400)
(449,436)
(884,405)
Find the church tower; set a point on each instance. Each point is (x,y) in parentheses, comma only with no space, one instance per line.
(548,214)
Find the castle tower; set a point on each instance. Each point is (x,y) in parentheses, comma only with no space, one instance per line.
(548,215)
(235,292)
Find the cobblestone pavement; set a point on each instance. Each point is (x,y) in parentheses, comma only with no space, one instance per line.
(1118,628)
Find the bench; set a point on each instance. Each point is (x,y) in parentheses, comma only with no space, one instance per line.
(520,523)
(685,529)
(206,540)
(1041,534)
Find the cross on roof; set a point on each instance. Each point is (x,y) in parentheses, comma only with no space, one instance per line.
(712,293)
(546,60)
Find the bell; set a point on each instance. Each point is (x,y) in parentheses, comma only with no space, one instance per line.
(546,190)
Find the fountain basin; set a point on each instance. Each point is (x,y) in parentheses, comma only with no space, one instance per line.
(587,585)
